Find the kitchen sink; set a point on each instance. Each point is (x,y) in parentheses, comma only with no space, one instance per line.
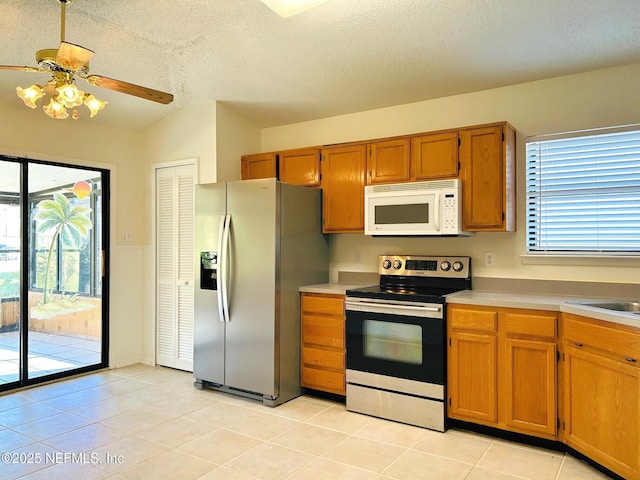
(626,307)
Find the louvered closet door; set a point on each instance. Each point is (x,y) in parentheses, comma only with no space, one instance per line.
(175,266)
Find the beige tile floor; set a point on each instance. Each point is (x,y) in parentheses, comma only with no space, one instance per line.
(144,422)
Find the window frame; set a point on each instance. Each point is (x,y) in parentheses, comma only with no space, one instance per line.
(532,196)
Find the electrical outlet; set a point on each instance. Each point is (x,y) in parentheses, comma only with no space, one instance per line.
(489,259)
(358,256)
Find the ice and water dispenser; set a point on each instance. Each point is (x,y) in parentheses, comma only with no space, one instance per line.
(208,270)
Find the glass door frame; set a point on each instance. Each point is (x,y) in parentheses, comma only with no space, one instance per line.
(26,227)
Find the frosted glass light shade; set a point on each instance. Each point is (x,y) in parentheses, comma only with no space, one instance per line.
(30,95)
(56,110)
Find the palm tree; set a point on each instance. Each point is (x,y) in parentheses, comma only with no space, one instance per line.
(71,224)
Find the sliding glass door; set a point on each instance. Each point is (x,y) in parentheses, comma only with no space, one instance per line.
(56,238)
(10,271)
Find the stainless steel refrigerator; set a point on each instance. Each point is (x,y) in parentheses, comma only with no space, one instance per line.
(257,242)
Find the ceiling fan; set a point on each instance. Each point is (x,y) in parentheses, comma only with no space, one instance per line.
(65,64)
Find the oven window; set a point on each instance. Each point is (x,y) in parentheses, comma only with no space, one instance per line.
(404,213)
(400,342)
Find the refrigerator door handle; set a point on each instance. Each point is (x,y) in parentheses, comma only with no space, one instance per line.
(221,266)
(225,268)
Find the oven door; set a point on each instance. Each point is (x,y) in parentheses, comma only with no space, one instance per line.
(401,341)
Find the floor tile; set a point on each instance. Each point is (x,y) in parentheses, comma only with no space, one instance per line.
(66,471)
(414,465)
(219,414)
(52,426)
(26,460)
(136,420)
(522,462)
(26,414)
(310,439)
(300,408)
(391,432)
(220,446)
(171,465)
(483,474)
(107,408)
(573,469)
(175,432)
(127,453)
(224,473)
(10,440)
(84,439)
(261,425)
(364,453)
(338,418)
(323,469)
(464,448)
(270,462)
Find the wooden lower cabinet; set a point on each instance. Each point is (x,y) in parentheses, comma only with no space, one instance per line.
(502,368)
(602,393)
(323,348)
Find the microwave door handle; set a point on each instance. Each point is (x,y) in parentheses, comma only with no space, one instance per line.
(438,213)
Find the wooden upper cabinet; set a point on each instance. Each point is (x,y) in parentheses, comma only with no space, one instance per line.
(259,165)
(487,162)
(434,156)
(388,162)
(343,172)
(300,166)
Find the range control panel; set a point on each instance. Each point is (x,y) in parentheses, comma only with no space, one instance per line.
(421,266)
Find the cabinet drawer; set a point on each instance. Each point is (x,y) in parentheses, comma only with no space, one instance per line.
(615,340)
(325,331)
(326,304)
(327,381)
(318,357)
(480,320)
(530,324)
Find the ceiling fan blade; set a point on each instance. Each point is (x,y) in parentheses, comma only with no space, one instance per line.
(21,69)
(130,88)
(73,57)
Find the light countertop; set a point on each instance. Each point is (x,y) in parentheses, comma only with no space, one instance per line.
(333,288)
(557,303)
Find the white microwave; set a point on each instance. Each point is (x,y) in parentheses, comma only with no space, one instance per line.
(418,208)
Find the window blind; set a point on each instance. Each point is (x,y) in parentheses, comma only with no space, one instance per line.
(583,193)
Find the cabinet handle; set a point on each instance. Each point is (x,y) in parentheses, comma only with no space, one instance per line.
(630,360)
(578,344)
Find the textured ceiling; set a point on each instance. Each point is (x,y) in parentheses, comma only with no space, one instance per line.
(340,57)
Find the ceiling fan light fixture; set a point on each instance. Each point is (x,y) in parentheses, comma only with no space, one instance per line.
(93,104)
(69,95)
(30,95)
(56,110)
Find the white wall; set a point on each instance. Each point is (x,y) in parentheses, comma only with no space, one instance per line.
(29,133)
(593,99)
(214,135)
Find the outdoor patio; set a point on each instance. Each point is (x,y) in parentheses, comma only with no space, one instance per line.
(48,353)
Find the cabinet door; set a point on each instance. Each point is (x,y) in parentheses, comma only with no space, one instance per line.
(488,178)
(530,385)
(259,165)
(300,167)
(343,171)
(602,409)
(472,377)
(388,162)
(434,156)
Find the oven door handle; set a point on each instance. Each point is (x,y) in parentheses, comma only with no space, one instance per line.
(399,309)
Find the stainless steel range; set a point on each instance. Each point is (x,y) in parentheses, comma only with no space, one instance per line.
(395,336)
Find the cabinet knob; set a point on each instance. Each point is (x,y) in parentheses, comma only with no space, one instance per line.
(578,344)
(630,360)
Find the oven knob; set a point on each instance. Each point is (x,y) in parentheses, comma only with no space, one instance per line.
(386,264)
(397,264)
(445,266)
(457,266)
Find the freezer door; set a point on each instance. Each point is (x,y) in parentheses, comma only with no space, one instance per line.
(251,330)
(209,344)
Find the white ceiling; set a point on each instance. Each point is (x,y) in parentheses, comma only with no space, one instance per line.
(340,57)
